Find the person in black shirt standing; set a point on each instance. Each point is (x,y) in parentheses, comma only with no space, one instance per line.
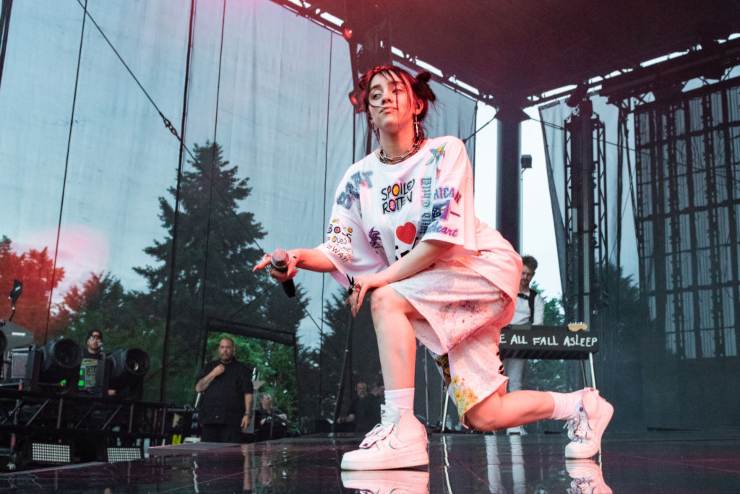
(227,390)
(364,411)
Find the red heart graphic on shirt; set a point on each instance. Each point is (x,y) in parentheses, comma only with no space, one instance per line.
(406,233)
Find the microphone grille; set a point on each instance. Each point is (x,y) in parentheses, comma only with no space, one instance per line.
(279,258)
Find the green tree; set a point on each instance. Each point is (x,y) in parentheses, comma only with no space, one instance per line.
(216,248)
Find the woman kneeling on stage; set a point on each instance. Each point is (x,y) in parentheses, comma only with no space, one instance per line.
(403,231)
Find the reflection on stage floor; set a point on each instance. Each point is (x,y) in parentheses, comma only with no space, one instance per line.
(460,464)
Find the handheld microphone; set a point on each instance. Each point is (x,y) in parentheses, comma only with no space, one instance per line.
(279,260)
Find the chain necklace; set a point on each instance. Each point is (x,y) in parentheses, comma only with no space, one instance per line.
(393,160)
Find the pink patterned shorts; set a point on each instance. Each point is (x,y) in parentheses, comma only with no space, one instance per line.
(463,316)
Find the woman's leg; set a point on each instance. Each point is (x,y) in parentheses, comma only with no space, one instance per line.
(500,410)
(401,440)
(587,413)
(392,316)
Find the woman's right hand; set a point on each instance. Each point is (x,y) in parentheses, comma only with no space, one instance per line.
(279,276)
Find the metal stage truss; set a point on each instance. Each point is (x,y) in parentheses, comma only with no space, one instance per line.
(687,160)
(80,421)
(587,244)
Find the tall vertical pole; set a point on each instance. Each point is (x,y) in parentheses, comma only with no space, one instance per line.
(5,8)
(508,198)
(173,250)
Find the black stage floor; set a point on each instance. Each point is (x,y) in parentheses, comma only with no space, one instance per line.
(460,464)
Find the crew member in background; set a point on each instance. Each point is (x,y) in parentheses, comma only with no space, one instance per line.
(530,309)
(227,389)
(271,422)
(92,360)
(364,411)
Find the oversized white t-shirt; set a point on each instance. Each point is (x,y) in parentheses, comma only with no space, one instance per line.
(382,211)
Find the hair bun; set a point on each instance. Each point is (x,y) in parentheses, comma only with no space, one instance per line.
(421,86)
(424,76)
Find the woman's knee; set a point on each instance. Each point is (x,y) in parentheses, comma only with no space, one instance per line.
(384,300)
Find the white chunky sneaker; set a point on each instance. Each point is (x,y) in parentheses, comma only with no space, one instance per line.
(587,426)
(587,477)
(398,441)
(387,481)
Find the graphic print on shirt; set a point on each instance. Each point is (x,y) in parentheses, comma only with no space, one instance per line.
(351,191)
(428,210)
(395,196)
(426,205)
(339,240)
(444,200)
(405,239)
(373,238)
(437,154)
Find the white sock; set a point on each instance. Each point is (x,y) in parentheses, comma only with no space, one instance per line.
(403,399)
(566,404)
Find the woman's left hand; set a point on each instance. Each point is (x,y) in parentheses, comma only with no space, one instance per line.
(362,285)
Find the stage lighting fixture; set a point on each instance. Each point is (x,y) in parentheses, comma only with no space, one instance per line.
(16,291)
(123,454)
(50,453)
(56,363)
(127,367)
(61,360)
(16,336)
(526,161)
(18,361)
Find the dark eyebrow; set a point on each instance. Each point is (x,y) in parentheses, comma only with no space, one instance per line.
(392,83)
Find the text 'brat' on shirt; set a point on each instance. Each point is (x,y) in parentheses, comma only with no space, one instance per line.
(351,191)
